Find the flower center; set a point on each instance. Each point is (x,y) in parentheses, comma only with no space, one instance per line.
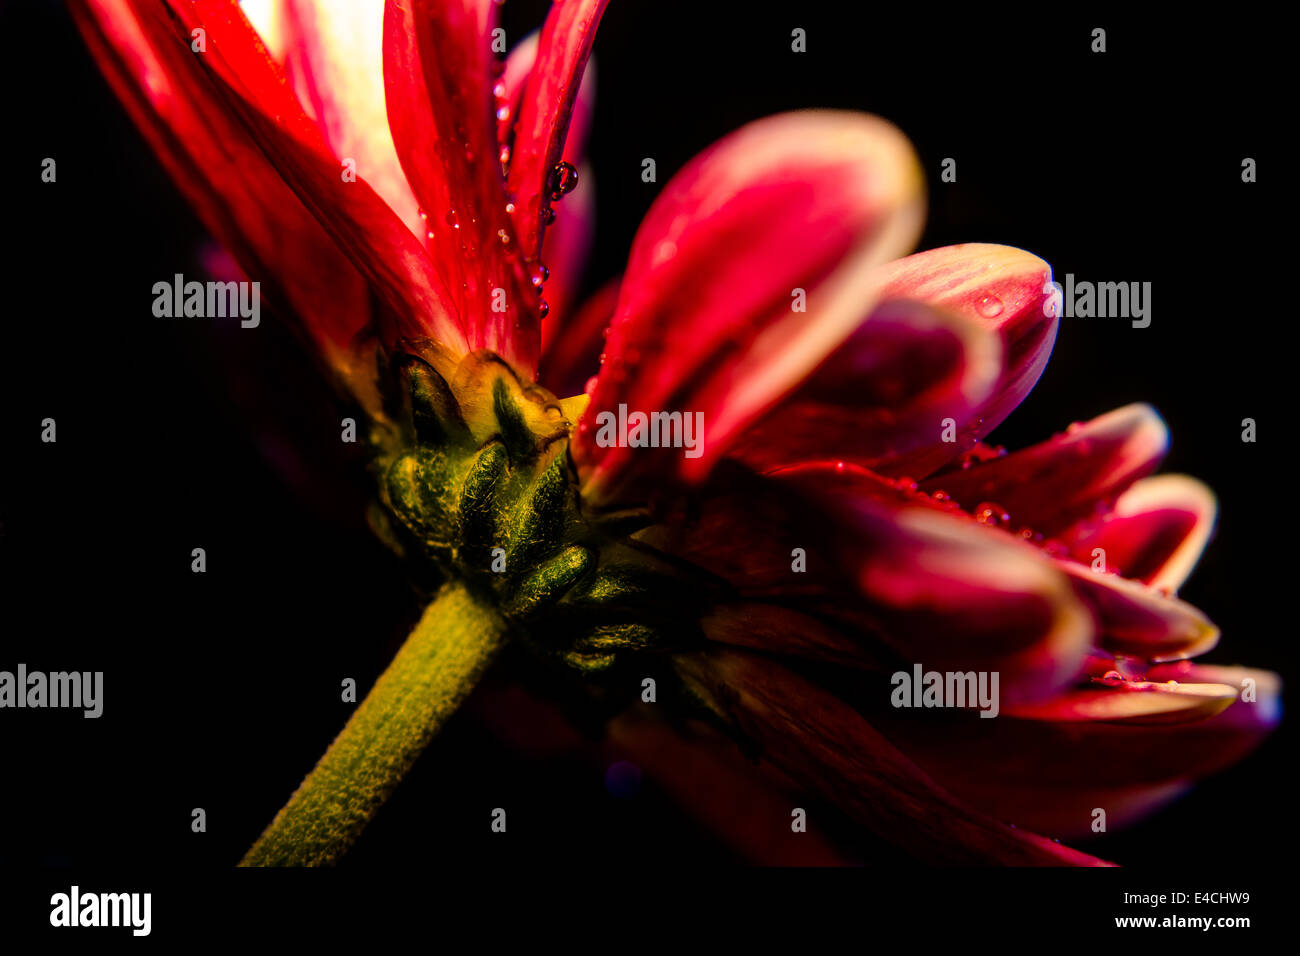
(474,467)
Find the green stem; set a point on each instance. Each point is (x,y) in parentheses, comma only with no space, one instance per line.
(444,657)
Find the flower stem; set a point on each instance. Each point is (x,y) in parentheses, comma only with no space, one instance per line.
(456,638)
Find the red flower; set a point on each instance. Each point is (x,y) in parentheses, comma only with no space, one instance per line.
(844,395)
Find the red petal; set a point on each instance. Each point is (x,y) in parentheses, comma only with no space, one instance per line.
(334,59)
(1131,702)
(1138,621)
(883,393)
(932,588)
(826,746)
(1052,774)
(545,110)
(1155,532)
(438,77)
(705,322)
(568,241)
(233,136)
(1001,288)
(952,595)
(709,778)
(1049,485)
(571,346)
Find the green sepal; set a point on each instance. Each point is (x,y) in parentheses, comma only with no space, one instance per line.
(544,586)
(479,506)
(435,414)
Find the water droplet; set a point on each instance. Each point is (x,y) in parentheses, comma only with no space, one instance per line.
(941,496)
(990,306)
(590,387)
(839,466)
(504,237)
(503,113)
(499,90)
(1111,679)
(538,276)
(562,179)
(453,220)
(991,513)
(548,216)
(504,156)
(510,208)
(907,484)
(543,310)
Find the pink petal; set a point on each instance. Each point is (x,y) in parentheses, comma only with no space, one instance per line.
(334,59)
(1048,486)
(883,393)
(568,241)
(545,109)
(705,322)
(438,78)
(233,136)
(898,580)
(1254,717)
(1051,773)
(1004,290)
(708,777)
(1154,533)
(1138,621)
(572,344)
(825,745)
(951,595)
(1131,702)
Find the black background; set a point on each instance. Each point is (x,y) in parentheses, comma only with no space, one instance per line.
(222,689)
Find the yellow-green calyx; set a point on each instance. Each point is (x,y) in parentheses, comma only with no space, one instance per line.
(474,466)
(476,482)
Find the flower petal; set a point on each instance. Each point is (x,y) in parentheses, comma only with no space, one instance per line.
(571,347)
(438,77)
(1131,702)
(1052,773)
(902,581)
(1154,533)
(334,60)
(709,778)
(825,745)
(883,393)
(545,109)
(1000,288)
(1048,486)
(1136,620)
(706,321)
(233,136)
